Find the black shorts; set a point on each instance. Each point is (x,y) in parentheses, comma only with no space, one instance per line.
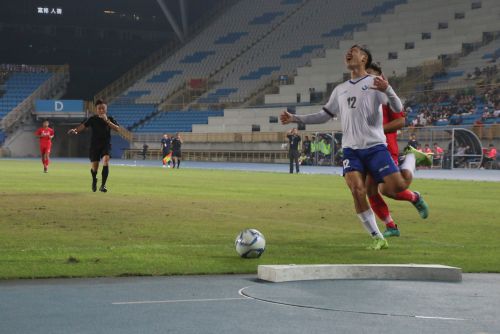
(165,153)
(97,152)
(176,154)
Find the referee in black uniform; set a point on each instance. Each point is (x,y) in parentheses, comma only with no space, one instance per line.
(100,142)
(293,149)
(176,149)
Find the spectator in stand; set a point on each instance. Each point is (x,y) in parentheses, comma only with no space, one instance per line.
(427,149)
(438,155)
(490,157)
(413,141)
(496,113)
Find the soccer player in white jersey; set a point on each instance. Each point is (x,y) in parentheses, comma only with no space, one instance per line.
(357,103)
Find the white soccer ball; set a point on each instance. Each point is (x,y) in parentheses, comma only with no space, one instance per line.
(250,243)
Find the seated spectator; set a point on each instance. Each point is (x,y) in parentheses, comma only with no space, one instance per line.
(427,149)
(490,157)
(438,155)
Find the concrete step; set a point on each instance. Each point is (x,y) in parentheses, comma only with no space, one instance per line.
(416,272)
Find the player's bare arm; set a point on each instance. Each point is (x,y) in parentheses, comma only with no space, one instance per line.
(112,125)
(76,130)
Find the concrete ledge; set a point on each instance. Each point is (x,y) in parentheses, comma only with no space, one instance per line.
(413,272)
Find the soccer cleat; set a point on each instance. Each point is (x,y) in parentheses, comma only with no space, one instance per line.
(391,232)
(103,189)
(45,170)
(421,159)
(378,244)
(421,205)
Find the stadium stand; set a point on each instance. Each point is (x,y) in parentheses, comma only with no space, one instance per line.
(278,38)
(471,67)
(18,87)
(415,32)
(304,35)
(232,33)
(177,121)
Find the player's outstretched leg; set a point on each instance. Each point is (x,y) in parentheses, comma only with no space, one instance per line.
(403,180)
(421,158)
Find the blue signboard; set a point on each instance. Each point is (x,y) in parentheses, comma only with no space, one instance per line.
(59,106)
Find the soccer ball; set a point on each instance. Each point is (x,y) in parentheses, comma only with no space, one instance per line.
(250,243)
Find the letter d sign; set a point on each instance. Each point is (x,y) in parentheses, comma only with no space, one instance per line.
(58,106)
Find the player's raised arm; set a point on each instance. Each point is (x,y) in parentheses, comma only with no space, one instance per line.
(323,116)
(381,84)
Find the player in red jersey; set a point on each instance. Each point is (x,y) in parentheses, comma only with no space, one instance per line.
(392,122)
(45,134)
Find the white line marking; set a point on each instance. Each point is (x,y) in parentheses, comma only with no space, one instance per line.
(439,318)
(240,292)
(177,301)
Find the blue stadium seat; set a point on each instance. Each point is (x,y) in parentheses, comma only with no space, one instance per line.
(164,76)
(197,57)
(18,87)
(177,121)
(129,114)
(215,96)
(254,75)
(265,18)
(302,51)
(381,9)
(231,37)
(343,30)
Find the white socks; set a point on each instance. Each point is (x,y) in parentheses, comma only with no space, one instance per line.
(409,163)
(370,223)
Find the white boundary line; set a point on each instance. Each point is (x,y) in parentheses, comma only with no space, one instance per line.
(240,292)
(171,301)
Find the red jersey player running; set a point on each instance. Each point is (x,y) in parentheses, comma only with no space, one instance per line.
(45,134)
(393,121)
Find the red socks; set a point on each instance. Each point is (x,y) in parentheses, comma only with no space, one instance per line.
(381,210)
(406,195)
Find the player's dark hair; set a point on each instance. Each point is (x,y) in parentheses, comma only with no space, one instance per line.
(375,67)
(367,52)
(98,102)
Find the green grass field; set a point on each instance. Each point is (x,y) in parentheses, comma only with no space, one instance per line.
(167,222)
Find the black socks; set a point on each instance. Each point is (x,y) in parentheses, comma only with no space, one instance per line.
(105,173)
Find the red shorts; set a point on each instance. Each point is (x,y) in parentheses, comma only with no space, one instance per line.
(45,149)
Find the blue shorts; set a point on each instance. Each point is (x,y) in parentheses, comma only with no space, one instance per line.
(376,161)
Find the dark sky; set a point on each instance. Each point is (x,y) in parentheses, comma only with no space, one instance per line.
(135,14)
